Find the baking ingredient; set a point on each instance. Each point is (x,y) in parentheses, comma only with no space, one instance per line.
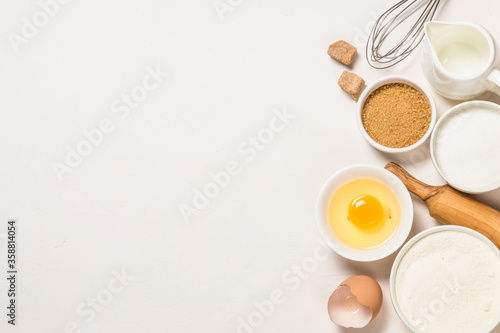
(396,115)
(352,84)
(356,302)
(364,213)
(462,59)
(448,281)
(342,51)
(467,148)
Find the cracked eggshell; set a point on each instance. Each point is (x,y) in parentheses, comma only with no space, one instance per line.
(356,302)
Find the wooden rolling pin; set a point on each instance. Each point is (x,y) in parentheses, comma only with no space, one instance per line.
(450,206)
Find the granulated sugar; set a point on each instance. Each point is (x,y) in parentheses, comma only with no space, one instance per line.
(467,148)
(396,115)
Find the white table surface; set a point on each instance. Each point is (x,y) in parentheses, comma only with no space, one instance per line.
(118,210)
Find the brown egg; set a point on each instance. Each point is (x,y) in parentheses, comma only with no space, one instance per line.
(356,302)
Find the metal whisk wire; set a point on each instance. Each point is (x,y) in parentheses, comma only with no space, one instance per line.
(388,22)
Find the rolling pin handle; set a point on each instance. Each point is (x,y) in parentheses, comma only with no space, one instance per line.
(413,185)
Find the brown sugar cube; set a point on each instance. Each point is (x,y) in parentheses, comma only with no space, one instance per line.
(342,51)
(352,84)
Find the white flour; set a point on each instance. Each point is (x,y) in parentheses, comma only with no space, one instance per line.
(467,148)
(449,281)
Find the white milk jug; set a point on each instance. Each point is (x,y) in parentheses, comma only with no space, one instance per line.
(458,59)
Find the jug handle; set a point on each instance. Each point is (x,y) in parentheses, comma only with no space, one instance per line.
(494,81)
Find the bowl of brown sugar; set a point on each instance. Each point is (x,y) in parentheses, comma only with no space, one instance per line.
(396,114)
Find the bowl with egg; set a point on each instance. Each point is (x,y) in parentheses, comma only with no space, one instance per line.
(396,114)
(364,212)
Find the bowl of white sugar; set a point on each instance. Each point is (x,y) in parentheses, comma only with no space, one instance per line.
(465,146)
(447,279)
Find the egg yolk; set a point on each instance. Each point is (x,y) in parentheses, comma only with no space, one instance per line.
(366,212)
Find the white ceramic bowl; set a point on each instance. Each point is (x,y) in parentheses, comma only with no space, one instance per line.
(453,118)
(395,79)
(364,171)
(415,239)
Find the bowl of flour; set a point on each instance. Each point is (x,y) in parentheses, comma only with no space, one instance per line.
(465,146)
(447,279)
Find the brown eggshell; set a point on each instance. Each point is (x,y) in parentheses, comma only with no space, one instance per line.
(367,291)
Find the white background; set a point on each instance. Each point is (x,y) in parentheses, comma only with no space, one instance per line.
(119,209)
